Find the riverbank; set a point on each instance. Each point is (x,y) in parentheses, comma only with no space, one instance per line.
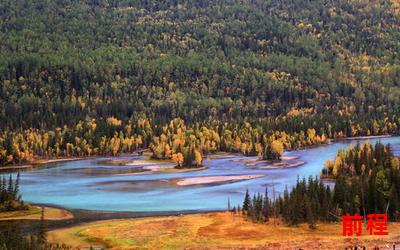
(37,163)
(50,213)
(134,162)
(212,231)
(30,224)
(220,155)
(367,137)
(43,161)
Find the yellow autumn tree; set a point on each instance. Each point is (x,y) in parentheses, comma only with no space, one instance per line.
(178,159)
(277,149)
(336,166)
(112,121)
(259,149)
(167,151)
(328,166)
(198,158)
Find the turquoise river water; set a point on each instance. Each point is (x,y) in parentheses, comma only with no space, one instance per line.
(87,184)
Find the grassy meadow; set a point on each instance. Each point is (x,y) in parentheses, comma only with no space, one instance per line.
(212,231)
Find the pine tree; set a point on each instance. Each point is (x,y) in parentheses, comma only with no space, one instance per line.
(16,188)
(266,206)
(42,234)
(246,202)
(1,191)
(4,190)
(310,214)
(10,189)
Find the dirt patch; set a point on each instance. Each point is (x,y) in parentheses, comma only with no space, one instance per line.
(278,165)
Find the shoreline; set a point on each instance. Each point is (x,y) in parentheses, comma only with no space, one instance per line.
(40,162)
(84,216)
(366,137)
(43,161)
(34,213)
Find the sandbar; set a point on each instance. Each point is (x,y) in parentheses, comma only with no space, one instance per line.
(215,179)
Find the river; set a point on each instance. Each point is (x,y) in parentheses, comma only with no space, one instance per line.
(87,184)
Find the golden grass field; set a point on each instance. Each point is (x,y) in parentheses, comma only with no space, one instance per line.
(212,231)
(35,213)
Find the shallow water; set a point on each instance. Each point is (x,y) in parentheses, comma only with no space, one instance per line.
(86,184)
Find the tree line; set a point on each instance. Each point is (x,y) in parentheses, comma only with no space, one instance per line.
(184,143)
(308,201)
(88,137)
(175,140)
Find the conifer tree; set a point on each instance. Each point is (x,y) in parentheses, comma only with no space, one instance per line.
(310,214)
(246,202)
(10,188)
(42,233)
(16,188)
(266,206)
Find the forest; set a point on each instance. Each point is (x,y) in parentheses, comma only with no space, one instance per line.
(367,181)
(105,77)
(309,201)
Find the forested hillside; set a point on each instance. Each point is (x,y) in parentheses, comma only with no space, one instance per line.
(82,72)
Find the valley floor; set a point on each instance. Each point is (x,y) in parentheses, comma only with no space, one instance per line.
(214,231)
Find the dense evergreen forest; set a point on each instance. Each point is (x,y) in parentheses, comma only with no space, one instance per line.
(309,201)
(83,77)
(367,182)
